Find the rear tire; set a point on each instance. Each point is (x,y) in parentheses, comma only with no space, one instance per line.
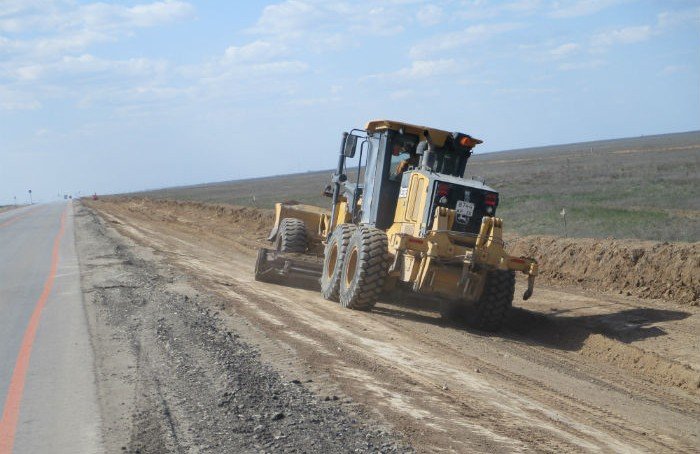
(489,312)
(291,236)
(333,259)
(364,269)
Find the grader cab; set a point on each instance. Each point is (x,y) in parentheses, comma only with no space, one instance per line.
(408,220)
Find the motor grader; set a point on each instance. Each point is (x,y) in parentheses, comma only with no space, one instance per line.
(408,220)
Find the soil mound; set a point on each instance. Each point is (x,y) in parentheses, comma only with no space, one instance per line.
(254,222)
(646,269)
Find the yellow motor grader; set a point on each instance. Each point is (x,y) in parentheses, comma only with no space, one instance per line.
(410,219)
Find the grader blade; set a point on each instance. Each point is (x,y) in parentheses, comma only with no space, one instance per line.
(287,268)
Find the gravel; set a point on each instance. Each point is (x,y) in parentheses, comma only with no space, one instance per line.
(171,378)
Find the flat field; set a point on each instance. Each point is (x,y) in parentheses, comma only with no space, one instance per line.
(644,187)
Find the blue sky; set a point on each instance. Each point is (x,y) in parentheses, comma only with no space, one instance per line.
(121,96)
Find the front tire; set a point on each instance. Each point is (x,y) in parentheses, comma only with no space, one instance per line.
(364,269)
(291,236)
(333,259)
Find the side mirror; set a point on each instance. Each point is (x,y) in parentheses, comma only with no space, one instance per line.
(349,147)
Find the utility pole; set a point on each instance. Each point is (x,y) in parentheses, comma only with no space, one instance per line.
(30,197)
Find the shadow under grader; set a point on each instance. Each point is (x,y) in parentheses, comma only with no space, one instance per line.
(554,330)
(570,332)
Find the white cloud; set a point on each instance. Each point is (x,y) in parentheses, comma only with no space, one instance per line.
(44,47)
(82,65)
(314,102)
(420,69)
(152,14)
(29,72)
(250,73)
(290,17)
(673,69)
(87,63)
(52,16)
(278,67)
(522,6)
(526,91)
(581,65)
(328,26)
(626,35)
(429,15)
(475,10)
(564,50)
(11,99)
(462,38)
(253,51)
(669,19)
(578,8)
(58,26)
(402,94)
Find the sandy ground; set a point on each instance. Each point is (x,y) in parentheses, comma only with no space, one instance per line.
(574,370)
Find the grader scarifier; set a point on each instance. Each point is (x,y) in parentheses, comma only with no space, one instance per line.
(409,220)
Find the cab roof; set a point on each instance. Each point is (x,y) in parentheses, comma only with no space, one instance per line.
(437,135)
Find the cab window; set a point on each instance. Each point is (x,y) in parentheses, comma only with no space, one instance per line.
(396,160)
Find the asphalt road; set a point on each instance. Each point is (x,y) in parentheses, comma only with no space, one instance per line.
(48,394)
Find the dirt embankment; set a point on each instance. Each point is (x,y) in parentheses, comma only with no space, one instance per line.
(253,221)
(645,269)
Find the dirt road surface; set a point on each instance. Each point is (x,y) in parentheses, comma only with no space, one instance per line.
(171,377)
(572,371)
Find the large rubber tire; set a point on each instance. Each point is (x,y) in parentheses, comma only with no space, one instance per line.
(489,312)
(364,269)
(291,236)
(333,257)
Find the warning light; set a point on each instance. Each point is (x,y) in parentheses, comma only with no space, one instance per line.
(468,141)
(491,199)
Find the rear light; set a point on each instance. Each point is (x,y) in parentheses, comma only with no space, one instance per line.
(443,189)
(491,199)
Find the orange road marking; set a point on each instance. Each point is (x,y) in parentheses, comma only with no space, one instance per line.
(10,414)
